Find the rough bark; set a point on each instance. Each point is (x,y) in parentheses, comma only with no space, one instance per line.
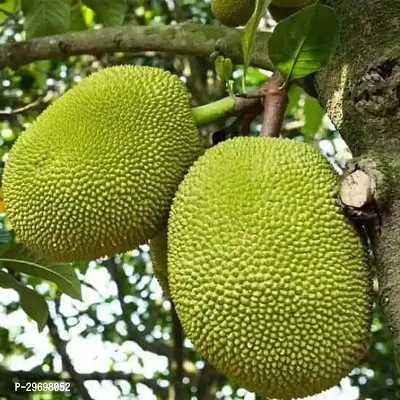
(360,89)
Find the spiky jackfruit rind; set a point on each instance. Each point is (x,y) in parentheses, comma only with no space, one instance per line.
(233,12)
(268,277)
(159,259)
(95,174)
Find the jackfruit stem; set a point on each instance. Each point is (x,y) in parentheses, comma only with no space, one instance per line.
(212,112)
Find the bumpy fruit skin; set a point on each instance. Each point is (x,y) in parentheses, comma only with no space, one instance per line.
(232,12)
(96,173)
(159,259)
(268,277)
(292,3)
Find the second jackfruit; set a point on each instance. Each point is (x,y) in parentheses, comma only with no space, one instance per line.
(268,277)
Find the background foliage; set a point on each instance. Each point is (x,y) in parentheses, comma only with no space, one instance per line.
(123,340)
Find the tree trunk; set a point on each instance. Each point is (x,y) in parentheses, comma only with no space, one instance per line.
(360,88)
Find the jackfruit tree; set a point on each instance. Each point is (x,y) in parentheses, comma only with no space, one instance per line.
(200,200)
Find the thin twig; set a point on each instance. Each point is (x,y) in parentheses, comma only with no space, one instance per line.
(44,99)
(89,285)
(35,376)
(61,345)
(159,348)
(208,383)
(275,103)
(38,376)
(20,110)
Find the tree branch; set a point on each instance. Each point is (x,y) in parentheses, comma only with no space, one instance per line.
(38,376)
(275,102)
(61,346)
(21,110)
(177,361)
(187,38)
(207,386)
(134,334)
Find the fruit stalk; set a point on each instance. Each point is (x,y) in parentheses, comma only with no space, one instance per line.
(228,106)
(212,112)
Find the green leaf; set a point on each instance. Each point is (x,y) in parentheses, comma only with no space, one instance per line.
(255,78)
(31,302)
(63,275)
(302,43)
(46,17)
(313,115)
(295,93)
(8,6)
(249,32)
(108,12)
(78,22)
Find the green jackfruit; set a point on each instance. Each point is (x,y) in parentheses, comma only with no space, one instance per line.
(159,258)
(96,173)
(268,277)
(233,12)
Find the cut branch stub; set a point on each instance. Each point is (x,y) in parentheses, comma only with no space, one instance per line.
(364,189)
(357,189)
(366,177)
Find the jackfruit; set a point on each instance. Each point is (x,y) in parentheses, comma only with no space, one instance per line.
(269,279)
(233,12)
(292,3)
(159,259)
(96,173)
